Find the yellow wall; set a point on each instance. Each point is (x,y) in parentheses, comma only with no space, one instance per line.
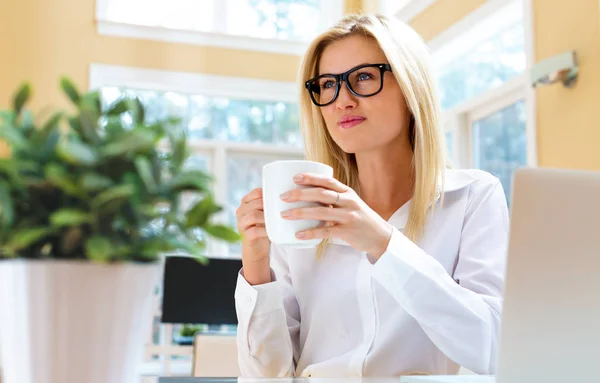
(441,15)
(568,120)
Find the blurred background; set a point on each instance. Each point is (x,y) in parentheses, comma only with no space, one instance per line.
(228,69)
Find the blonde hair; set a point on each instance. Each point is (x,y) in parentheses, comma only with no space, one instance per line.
(409,58)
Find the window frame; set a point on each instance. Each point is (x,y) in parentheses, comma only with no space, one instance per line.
(330,11)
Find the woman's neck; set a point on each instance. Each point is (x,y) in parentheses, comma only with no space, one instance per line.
(386,180)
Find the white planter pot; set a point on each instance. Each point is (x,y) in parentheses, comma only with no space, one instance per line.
(74,322)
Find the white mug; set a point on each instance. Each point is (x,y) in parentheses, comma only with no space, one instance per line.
(278,179)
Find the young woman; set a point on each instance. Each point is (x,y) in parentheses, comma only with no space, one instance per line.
(409,277)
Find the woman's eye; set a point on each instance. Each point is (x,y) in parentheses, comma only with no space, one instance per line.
(364,76)
(328,84)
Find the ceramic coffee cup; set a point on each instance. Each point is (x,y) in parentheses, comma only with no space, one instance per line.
(278,179)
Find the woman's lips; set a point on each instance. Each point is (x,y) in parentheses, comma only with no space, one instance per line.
(348,122)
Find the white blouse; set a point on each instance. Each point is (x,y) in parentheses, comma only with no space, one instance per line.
(427,309)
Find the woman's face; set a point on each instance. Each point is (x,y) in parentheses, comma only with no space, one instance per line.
(363,124)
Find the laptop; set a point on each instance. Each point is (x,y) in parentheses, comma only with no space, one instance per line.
(551,316)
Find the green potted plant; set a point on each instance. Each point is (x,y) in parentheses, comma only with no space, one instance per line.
(89,202)
(187,332)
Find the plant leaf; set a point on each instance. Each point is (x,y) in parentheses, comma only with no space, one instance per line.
(7,115)
(26,123)
(195,180)
(180,153)
(89,125)
(98,249)
(199,214)
(118,107)
(10,168)
(7,213)
(48,147)
(77,153)
(50,125)
(60,177)
(223,232)
(132,142)
(139,114)
(91,101)
(69,88)
(144,169)
(116,193)
(12,136)
(70,217)
(23,238)
(21,97)
(95,182)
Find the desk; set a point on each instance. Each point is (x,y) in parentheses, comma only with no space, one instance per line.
(458,378)
(269,380)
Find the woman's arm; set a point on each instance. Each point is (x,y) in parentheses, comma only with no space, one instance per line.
(460,314)
(268,323)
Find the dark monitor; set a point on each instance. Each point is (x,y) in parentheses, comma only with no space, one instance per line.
(197,293)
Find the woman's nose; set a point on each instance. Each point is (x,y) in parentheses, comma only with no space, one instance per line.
(345,98)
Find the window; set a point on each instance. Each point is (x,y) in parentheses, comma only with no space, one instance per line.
(480,68)
(235,126)
(482,58)
(499,143)
(211,21)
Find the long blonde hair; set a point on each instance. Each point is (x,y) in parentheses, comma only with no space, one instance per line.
(409,57)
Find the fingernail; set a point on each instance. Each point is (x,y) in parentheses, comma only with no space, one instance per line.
(300,234)
(286,213)
(285,196)
(298,178)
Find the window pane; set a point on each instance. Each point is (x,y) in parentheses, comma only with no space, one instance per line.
(201,122)
(246,121)
(481,59)
(219,118)
(275,19)
(282,19)
(500,143)
(177,14)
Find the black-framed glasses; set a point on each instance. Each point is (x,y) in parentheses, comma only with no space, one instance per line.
(363,81)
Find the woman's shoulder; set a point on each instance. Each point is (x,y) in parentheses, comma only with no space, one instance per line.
(457,179)
(474,183)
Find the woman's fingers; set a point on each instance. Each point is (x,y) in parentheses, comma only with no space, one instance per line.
(252,218)
(319,213)
(321,181)
(317,194)
(256,204)
(254,194)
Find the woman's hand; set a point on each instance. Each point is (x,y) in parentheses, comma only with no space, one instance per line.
(255,243)
(349,218)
